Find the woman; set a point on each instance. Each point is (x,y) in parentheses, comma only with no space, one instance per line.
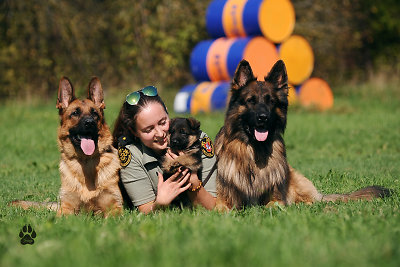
(140,134)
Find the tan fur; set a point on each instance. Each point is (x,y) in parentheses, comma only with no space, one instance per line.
(187,159)
(88,183)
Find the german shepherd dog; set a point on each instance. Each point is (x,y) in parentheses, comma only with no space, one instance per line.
(184,141)
(251,154)
(89,165)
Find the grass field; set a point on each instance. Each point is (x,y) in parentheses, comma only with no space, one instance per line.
(355,144)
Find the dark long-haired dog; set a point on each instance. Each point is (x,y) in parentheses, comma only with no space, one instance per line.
(252,165)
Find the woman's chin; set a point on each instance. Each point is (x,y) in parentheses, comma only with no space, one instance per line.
(160,146)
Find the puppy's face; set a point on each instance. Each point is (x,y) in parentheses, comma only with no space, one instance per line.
(183,133)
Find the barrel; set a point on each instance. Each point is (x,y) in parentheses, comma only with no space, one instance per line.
(202,97)
(274,19)
(292,95)
(183,98)
(216,60)
(316,92)
(298,56)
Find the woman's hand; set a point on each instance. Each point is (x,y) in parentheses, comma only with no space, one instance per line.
(169,189)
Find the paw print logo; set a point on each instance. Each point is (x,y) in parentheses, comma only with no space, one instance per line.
(27,234)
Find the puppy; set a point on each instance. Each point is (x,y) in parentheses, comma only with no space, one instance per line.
(184,141)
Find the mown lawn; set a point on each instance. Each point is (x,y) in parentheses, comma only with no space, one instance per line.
(355,144)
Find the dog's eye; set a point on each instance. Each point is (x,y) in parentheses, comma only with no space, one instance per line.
(182,131)
(76,113)
(251,100)
(94,113)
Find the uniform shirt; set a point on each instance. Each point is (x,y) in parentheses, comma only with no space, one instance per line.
(140,179)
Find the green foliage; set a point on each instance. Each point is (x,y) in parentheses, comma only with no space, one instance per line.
(132,43)
(122,42)
(355,144)
(351,39)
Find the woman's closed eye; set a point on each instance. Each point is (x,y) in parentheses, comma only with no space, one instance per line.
(148,129)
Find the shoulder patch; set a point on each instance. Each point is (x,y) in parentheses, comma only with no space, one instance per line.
(124,155)
(207,147)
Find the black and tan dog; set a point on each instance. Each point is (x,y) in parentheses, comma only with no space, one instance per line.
(251,153)
(89,165)
(184,141)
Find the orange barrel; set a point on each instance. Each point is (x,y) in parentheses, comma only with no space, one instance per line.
(292,95)
(217,60)
(316,92)
(298,56)
(274,19)
(202,97)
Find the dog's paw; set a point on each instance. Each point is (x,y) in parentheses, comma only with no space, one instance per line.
(221,206)
(27,234)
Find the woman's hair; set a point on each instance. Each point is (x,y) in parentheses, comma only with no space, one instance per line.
(125,124)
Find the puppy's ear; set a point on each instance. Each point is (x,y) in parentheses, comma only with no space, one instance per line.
(278,76)
(66,93)
(172,124)
(95,93)
(193,123)
(243,75)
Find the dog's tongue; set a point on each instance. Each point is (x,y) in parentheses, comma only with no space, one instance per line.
(87,146)
(261,136)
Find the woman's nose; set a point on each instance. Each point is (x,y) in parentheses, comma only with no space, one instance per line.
(159,132)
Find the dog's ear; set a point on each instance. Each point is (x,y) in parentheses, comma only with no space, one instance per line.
(95,93)
(243,75)
(172,123)
(66,93)
(278,76)
(193,123)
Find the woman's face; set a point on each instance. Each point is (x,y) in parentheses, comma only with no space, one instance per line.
(152,124)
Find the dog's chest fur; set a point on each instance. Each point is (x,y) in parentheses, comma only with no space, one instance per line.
(89,177)
(247,176)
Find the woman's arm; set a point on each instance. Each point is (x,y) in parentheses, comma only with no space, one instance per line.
(199,195)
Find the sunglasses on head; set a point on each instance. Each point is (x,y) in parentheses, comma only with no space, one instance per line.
(133,98)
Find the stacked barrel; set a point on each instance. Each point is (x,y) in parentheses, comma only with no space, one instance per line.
(259,31)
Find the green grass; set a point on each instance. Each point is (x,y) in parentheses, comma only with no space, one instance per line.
(355,144)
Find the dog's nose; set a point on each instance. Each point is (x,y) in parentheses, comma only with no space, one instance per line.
(88,122)
(174,142)
(262,117)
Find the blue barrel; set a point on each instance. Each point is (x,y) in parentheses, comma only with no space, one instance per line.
(216,60)
(198,60)
(235,54)
(250,17)
(274,19)
(202,97)
(219,97)
(214,18)
(183,98)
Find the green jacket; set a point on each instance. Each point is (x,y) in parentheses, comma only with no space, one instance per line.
(140,166)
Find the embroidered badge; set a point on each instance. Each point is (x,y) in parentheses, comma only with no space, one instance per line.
(124,155)
(207,147)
